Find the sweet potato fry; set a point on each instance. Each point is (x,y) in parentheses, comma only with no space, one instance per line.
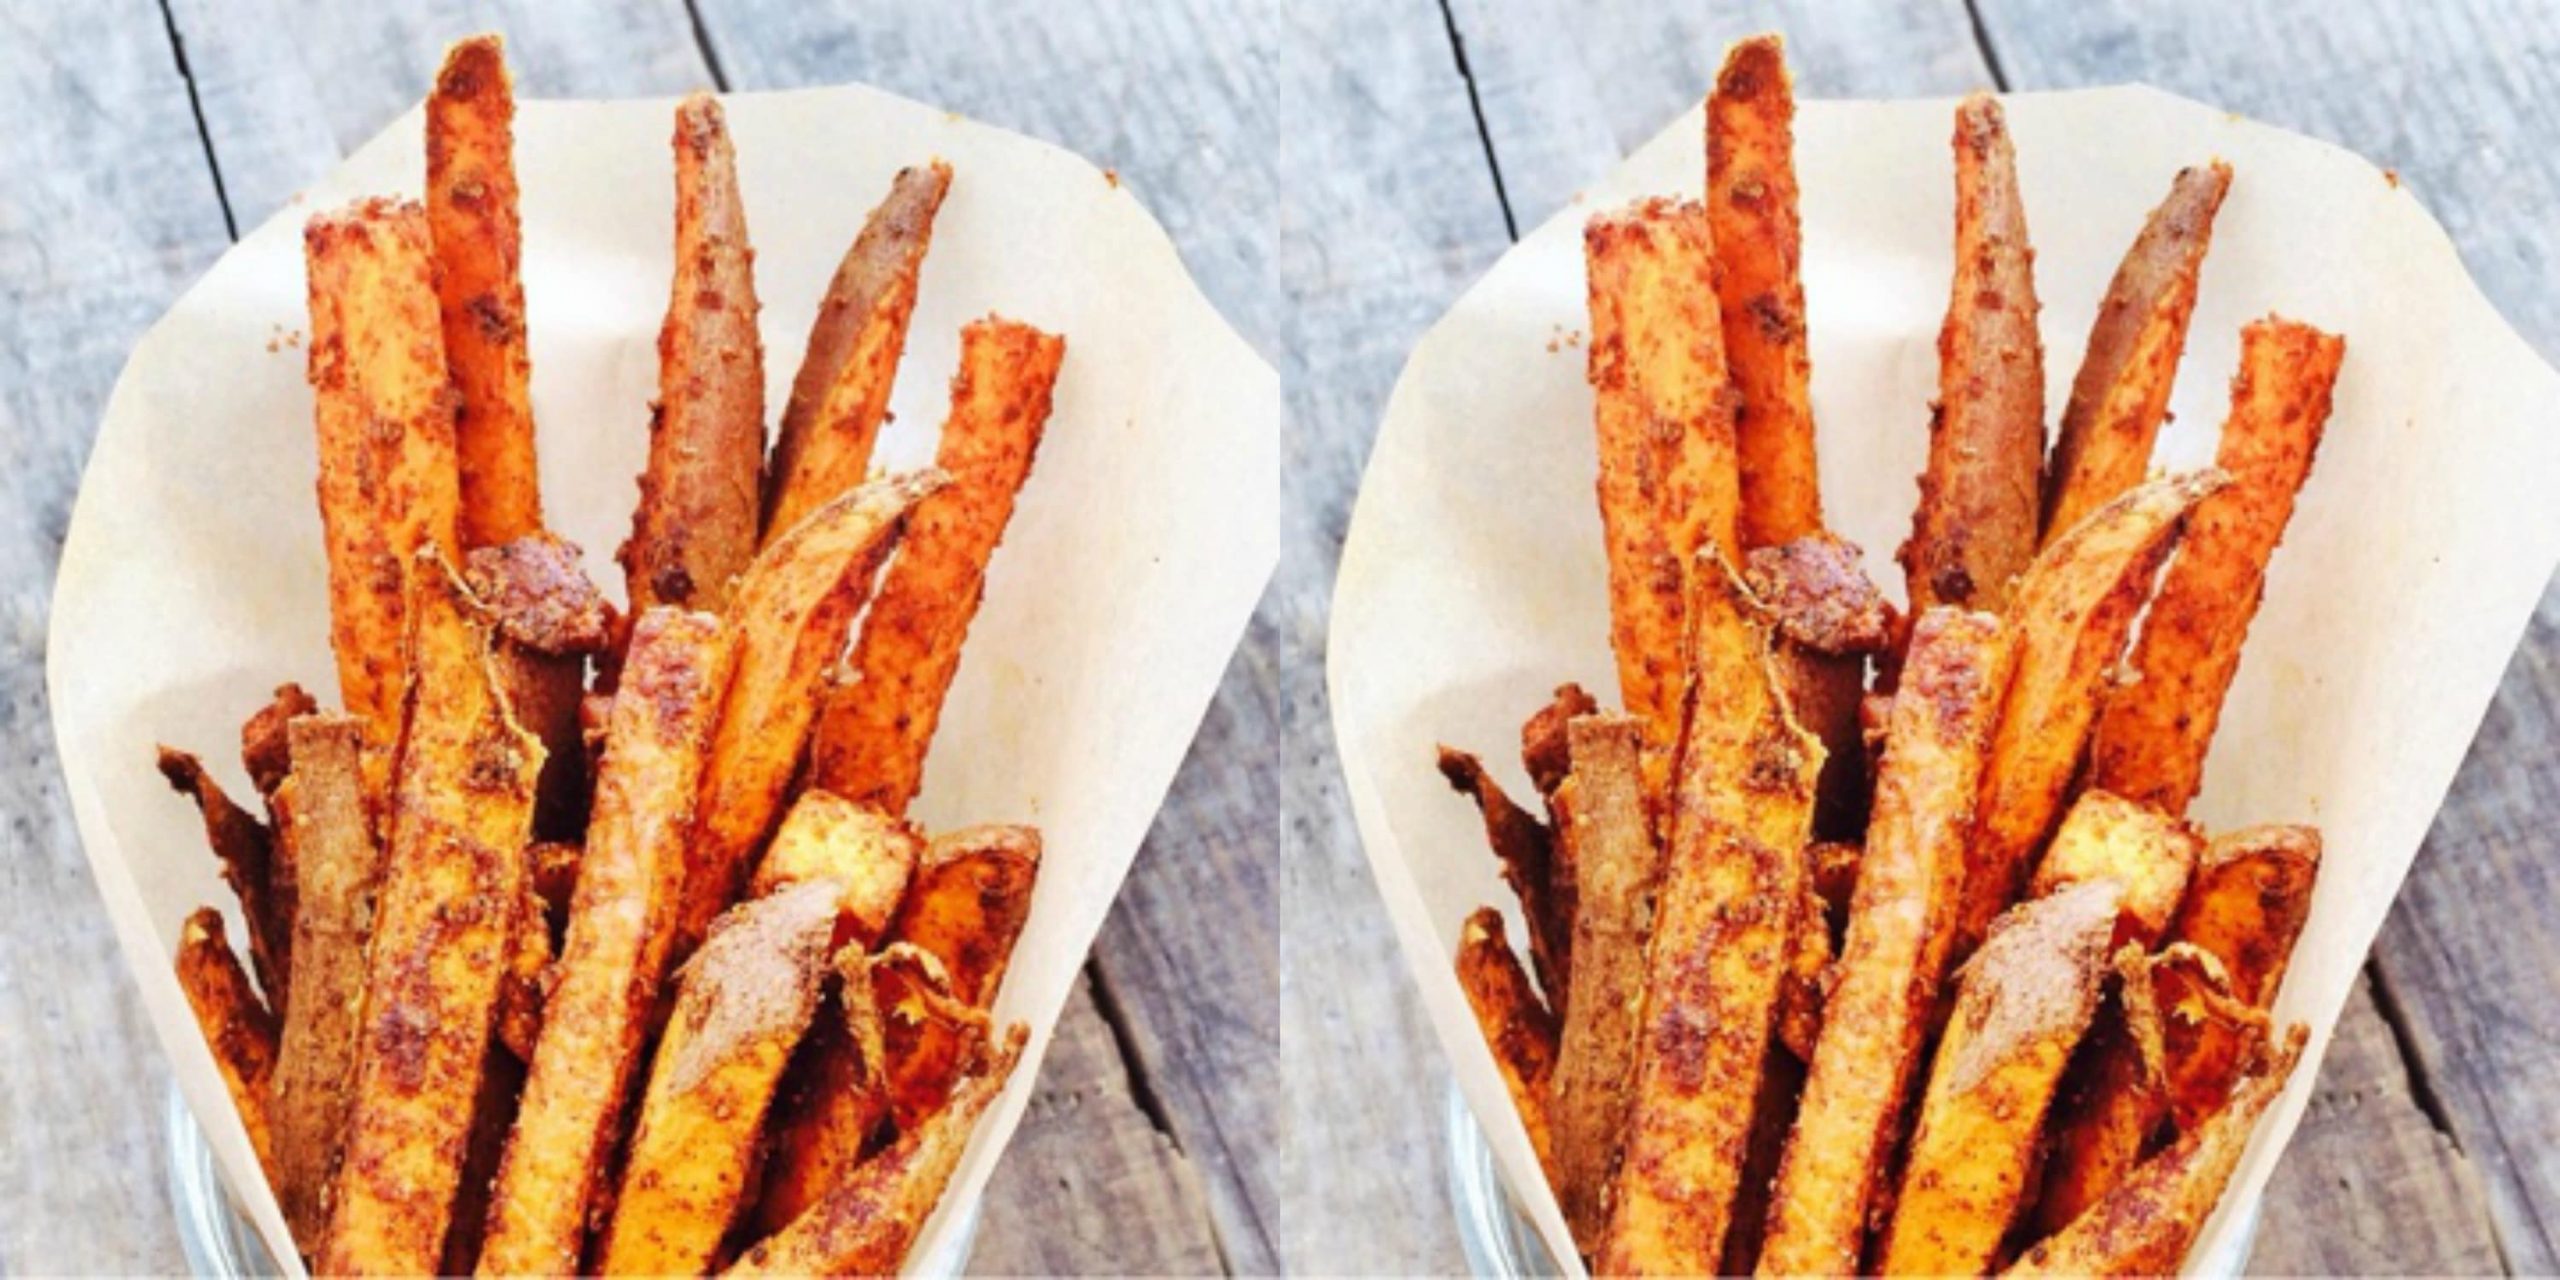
(1727,906)
(614,955)
(1901,921)
(1664,409)
(929,1037)
(2208,1038)
(1829,617)
(1517,1026)
(2070,617)
(841,394)
(1751,207)
(246,850)
(266,746)
(879,719)
(2148,1223)
(549,616)
(1833,864)
(870,854)
(331,835)
(793,607)
(384,404)
(451,889)
(2146,852)
(695,528)
(835,1098)
(471,216)
(2022,1004)
(741,1003)
(2112,1102)
(867,1222)
(236,1024)
(2121,394)
(1527,853)
(1546,739)
(2151,739)
(1975,528)
(1612,834)
(2251,894)
(968,901)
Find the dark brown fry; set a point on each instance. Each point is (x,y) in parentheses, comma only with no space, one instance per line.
(338,860)
(1517,1026)
(1527,853)
(1829,617)
(246,851)
(237,1027)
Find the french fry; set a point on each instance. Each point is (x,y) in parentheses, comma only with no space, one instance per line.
(879,718)
(929,1037)
(1901,923)
(841,395)
(2146,852)
(266,749)
(1751,207)
(835,1099)
(2208,1038)
(1664,411)
(246,850)
(2071,613)
(968,901)
(237,1027)
(493,1116)
(866,1223)
(1528,854)
(1725,909)
(793,608)
(1829,617)
(1517,1026)
(1833,864)
(1975,528)
(384,404)
(2121,394)
(549,617)
(2149,1222)
(741,1004)
(2022,1004)
(870,854)
(2152,737)
(445,916)
(2251,895)
(331,834)
(472,219)
(519,1015)
(1612,833)
(1546,741)
(695,528)
(552,865)
(614,954)
(2111,1101)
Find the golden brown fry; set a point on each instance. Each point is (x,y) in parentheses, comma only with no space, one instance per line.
(2251,895)
(1833,865)
(549,616)
(836,1097)
(967,904)
(2149,1222)
(2146,852)
(246,851)
(2208,1038)
(741,1004)
(471,215)
(450,896)
(2151,740)
(879,719)
(2070,617)
(870,854)
(1901,922)
(2121,395)
(695,528)
(266,749)
(1751,204)
(337,860)
(614,955)
(867,1222)
(2112,1103)
(519,1015)
(1517,1026)
(384,404)
(2022,1004)
(1612,833)
(841,394)
(237,1027)
(929,1038)
(1727,905)
(793,608)
(1665,416)
(1829,617)
(1528,855)
(1975,528)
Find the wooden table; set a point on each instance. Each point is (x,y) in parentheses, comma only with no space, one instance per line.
(1243,1081)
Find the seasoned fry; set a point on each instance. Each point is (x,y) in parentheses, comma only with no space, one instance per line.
(237,1027)
(741,1003)
(2146,852)
(471,216)
(969,899)
(836,1097)
(2147,1224)
(1751,206)
(2121,394)
(869,853)
(1664,409)
(1517,1027)
(2111,1103)
(2208,1038)
(1975,528)
(1546,741)
(1829,617)
(870,742)
(1528,856)
(246,851)
(1726,908)
(866,1223)
(1901,919)
(519,1015)
(337,860)
(266,749)
(1596,1050)
(695,528)
(2070,617)
(549,616)
(841,394)
(793,608)
(2251,895)
(1833,865)
(2022,1004)
(929,1037)
(384,404)
(445,916)
(2151,739)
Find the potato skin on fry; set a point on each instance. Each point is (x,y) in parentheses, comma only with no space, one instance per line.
(472,218)
(549,617)
(2146,852)
(929,1038)
(2251,895)
(1829,616)
(1517,1027)
(1751,206)
(1615,864)
(322,804)
(237,1028)
(968,902)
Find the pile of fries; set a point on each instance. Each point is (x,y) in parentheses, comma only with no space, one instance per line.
(1870,941)
(587,939)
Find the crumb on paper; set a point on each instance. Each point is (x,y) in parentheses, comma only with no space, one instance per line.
(1112,176)
(2392,176)
(281,339)
(1560,338)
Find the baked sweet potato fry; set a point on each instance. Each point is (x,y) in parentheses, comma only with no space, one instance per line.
(2111,1104)
(1546,748)
(870,854)
(2208,1038)
(1901,922)
(1527,852)
(1751,208)
(880,716)
(236,1025)
(331,834)
(472,218)
(1615,861)
(2121,394)
(1975,528)
(1517,1026)
(2151,740)
(2146,852)
(840,397)
(2022,1004)
(1727,906)
(2251,895)
(742,1002)
(246,850)
(550,617)
(968,901)
(835,1098)
(266,745)
(449,902)
(929,1038)
(695,528)
(1829,617)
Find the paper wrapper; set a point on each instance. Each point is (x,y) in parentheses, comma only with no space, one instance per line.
(1473,580)
(192,580)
